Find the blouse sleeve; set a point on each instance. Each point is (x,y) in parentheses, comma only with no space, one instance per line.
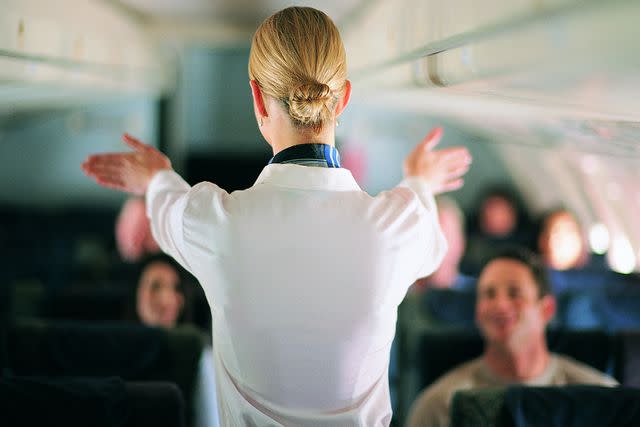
(166,200)
(186,222)
(431,239)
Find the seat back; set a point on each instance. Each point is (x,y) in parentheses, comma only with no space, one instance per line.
(108,402)
(450,307)
(595,348)
(575,310)
(618,308)
(5,308)
(103,303)
(441,351)
(158,404)
(561,406)
(573,405)
(69,402)
(627,364)
(130,351)
(479,407)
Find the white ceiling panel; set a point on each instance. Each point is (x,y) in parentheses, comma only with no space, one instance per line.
(241,12)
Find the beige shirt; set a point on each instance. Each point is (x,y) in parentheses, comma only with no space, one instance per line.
(431,408)
(303,273)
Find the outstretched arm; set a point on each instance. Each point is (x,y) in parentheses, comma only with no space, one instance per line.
(166,195)
(130,172)
(427,173)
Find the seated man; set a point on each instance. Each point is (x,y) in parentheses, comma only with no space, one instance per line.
(513,306)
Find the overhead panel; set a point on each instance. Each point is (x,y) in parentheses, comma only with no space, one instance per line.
(552,85)
(576,56)
(68,50)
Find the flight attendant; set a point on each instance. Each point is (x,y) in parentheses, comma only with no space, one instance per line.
(303,271)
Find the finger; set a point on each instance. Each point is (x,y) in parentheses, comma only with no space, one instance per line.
(95,172)
(115,160)
(117,184)
(451,162)
(455,152)
(99,166)
(432,139)
(456,172)
(104,177)
(453,185)
(134,143)
(107,174)
(112,179)
(109,168)
(107,157)
(106,170)
(429,141)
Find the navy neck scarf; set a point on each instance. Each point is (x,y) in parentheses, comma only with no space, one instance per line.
(319,155)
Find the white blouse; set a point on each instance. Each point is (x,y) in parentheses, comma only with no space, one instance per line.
(303,272)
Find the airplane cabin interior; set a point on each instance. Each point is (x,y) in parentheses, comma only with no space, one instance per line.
(544,94)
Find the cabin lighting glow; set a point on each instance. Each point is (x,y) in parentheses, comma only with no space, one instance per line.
(599,238)
(621,257)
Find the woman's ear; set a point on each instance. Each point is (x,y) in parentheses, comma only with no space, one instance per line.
(342,103)
(258,100)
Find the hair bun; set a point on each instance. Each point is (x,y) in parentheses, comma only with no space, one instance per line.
(311,103)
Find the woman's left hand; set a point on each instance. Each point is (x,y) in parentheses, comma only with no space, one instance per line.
(129,172)
(442,169)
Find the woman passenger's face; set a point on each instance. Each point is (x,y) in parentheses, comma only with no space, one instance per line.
(561,242)
(159,300)
(498,216)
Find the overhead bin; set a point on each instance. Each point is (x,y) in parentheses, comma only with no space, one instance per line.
(67,51)
(575,55)
(550,83)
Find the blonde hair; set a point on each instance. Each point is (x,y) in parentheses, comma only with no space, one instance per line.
(297,57)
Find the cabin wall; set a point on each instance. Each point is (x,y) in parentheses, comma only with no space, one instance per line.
(41,152)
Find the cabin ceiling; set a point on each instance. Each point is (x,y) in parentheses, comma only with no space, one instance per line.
(236,12)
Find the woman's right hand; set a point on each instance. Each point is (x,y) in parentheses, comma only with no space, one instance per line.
(129,172)
(443,169)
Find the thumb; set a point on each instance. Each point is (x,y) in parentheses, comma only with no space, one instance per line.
(134,143)
(432,139)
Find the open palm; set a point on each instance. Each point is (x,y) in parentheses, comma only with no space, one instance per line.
(130,172)
(442,169)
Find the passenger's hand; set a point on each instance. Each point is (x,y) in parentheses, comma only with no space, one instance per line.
(129,172)
(443,169)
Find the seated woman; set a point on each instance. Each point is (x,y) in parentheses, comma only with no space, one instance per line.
(162,296)
(562,245)
(500,220)
(163,299)
(561,241)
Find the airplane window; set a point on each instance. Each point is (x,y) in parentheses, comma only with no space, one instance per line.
(599,238)
(621,257)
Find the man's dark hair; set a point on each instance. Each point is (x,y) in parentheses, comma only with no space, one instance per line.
(528,258)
